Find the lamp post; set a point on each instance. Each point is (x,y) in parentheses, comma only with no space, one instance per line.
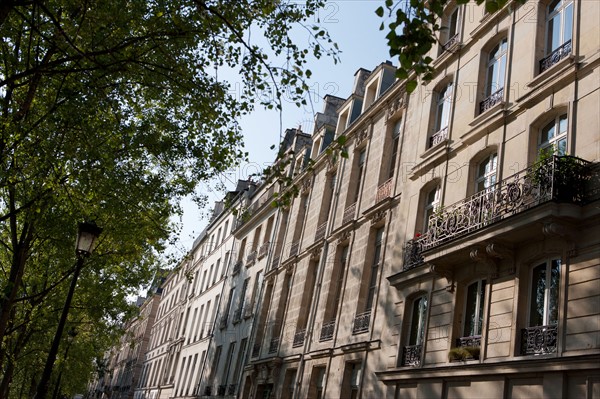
(71,334)
(86,241)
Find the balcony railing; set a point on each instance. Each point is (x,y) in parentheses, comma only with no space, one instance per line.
(492,100)
(438,137)
(256,350)
(221,389)
(327,331)
(557,55)
(251,258)
(275,262)
(321,229)
(237,316)
(450,42)
(349,213)
(207,390)
(237,266)
(361,322)
(472,341)
(223,322)
(274,345)
(384,191)
(411,355)
(539,340)
(294,248)
(299,338)
(231,389)
(263,250)
(561,179)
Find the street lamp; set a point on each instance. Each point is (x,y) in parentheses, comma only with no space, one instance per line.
(86,242)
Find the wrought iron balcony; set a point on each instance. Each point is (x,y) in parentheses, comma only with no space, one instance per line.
(251,257)
(223,322)
(237,266)
(321,229)
(472,341)
(231,389)
(361,322)
(384,191)
(450,42)
(263,250)
(561,179)
(275,262)
(274,345)
(207,390)
(221,389)
(349,213)
(237,316)
(557,55)
(327,330)
(491,100)
(294,248)
(539,340)
(256,350)
(438,137)
(411,355)
(299,338)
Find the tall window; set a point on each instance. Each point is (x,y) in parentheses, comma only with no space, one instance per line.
(361,166)
(450,26)
(559,24)
(495,73)
(486,173)
(442,115)
(554,136)
(395,146)
(411,355)
(474,309)
(431,204)
(545,280)
(374,269)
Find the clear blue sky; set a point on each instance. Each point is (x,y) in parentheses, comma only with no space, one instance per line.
(354,26)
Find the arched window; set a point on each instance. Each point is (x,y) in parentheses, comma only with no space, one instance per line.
(449,35)
(554,136)
(442,115)
(495,73)
(559,32)
(486,173)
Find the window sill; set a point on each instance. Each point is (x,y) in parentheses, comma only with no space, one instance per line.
(549,76)
(482,123)
(430,157)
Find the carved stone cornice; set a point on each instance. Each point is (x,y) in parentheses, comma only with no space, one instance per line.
(396,104)
(448,274)
(344,236)
(315,254)
(378,216)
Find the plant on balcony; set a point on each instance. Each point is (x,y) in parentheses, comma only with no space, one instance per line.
(463,353)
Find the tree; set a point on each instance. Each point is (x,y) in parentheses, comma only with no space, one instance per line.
(112,111)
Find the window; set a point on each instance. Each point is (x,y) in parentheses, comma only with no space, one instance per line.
(554,136)
(450,30)
(395,145)
(495,73)
(361,166)
(416,333)
(442,115)
(473,320)
(559,24)
(486,173)
(374,269)
(431,204)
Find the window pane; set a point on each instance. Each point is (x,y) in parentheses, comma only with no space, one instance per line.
(568,31)
(470,311)
(562,124)
(553,33)
(554,287)
(538,290)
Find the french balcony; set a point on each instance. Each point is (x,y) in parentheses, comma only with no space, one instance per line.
(450,42)
(275,262)
(411,355)
(491,100)
(237,316)
(438,137)
(231,389)
(274,345)
(320,234)
(557,55)
(349,213)
(563,179)
(384,191)
(263,250)
(472,341)
(299,338)
(237,266)
(208,390)
(294,248)
(539,340)
(256,350)
(362,322)
(223,322)
(251,258)
(327,331)
(221,389)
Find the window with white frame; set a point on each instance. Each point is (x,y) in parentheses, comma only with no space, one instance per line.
(545,281)
(450,29)
(411,355)
(559,32)
(474,300)
(442,115)
(554,136)
(494,79)
(432,202)
(486,173)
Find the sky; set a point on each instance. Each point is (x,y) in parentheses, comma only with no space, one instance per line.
(353,25)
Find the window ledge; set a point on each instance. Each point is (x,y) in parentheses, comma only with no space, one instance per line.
(548,74)
(431,156)
(483,123)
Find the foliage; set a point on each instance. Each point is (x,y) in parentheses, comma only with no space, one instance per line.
(414,28)
(111,112)
(463,353)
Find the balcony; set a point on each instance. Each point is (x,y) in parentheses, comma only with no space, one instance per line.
(491,100)
(294,248)
(349,213)
(384,191)
(411,355)
(320,234)
(207,390)
(557,55)
(256,350)
(327,331)
(438,137)
(251,258)
(361,322)
(231,389)
(561,179)
(274,345)
(472,341)
(223,322)
(299,338)
(450,42)
(275,262)
(237,316)
(263,250)
(221,389)
(539,340)
(237,266)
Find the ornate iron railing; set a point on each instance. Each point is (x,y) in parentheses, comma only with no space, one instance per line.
(221,389)
(411,355)
(223,322)
(263,250)
(274,345)
(384,191)
(256,350)
(561,179)
(349,213)
(557,55)
(472,341)
(539,340)
(438,137)
(361,322)
(321,229)
(294,248)
(237,316)
(237,266)
(327,330)
(450,42)
(299,338)
(275,262)
(491,100)
(231,389)
(207,390)
(251,257)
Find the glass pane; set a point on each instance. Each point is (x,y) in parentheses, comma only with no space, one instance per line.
(553,34)
(480,310)
(547,133)
(561,146)
(538,291)
(562,124)
(470,311)
(568,31)
(501,72)
(554,288)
